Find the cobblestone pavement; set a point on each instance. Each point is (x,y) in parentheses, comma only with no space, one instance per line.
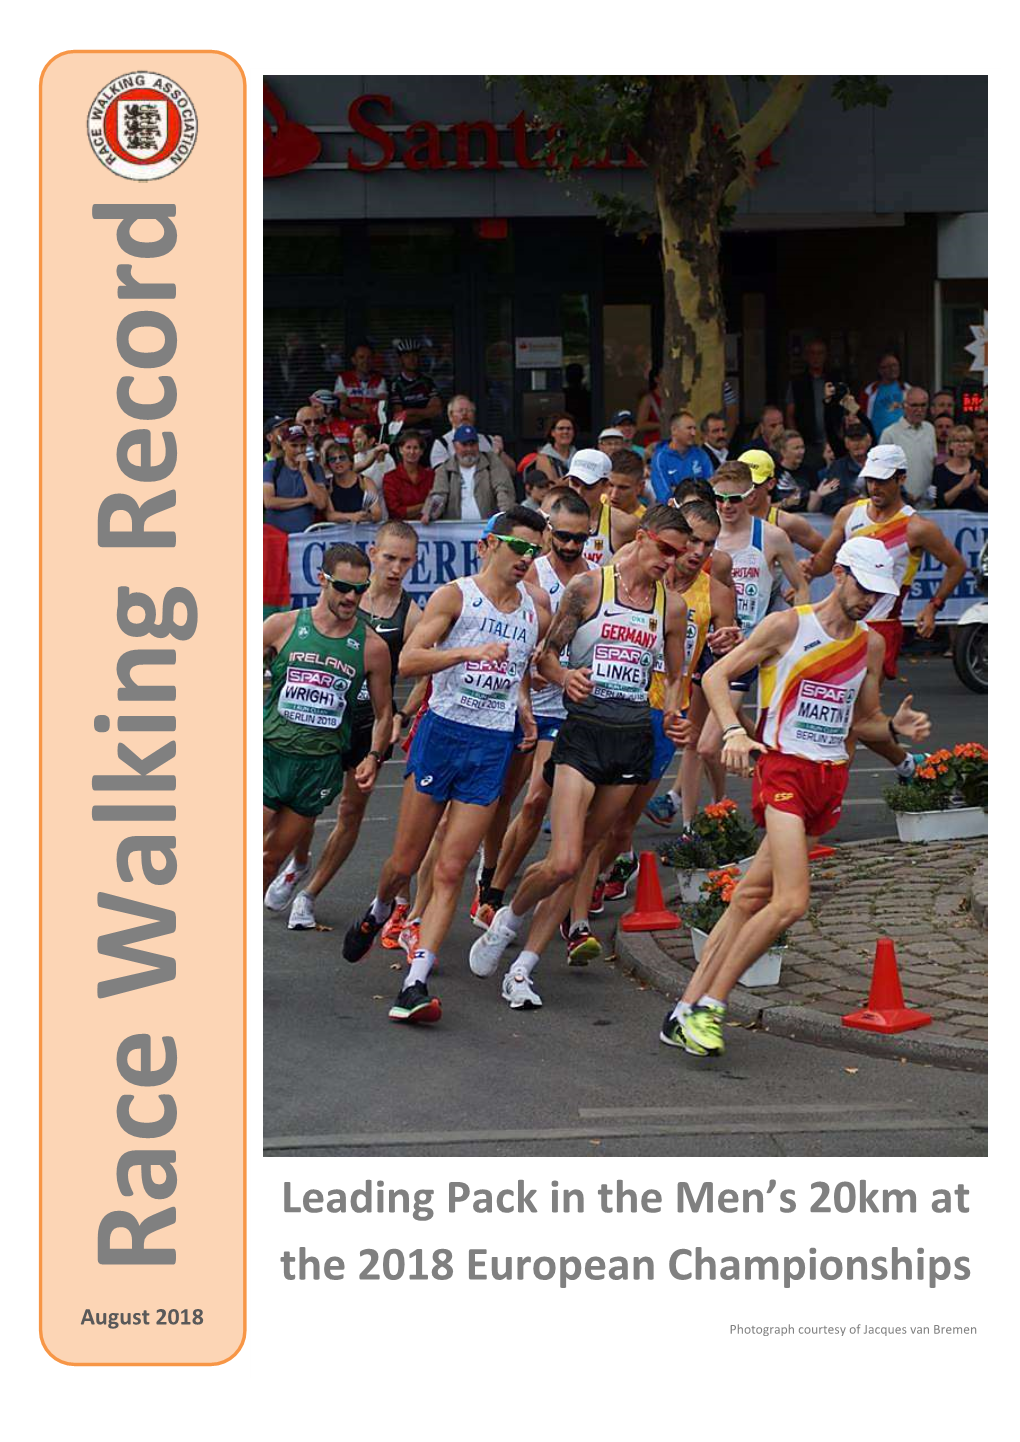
(920,895)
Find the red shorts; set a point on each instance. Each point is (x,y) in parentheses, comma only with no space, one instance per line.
(891,632)
(812,790)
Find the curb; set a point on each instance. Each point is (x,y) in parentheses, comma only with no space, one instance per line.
(639,954)
(979,896)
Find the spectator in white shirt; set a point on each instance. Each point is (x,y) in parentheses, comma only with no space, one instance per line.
(916,437)
(461,412)
(714,438)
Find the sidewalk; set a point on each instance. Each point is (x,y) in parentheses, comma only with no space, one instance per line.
(932,901)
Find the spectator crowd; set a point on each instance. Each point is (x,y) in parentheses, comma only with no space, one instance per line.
(375,447)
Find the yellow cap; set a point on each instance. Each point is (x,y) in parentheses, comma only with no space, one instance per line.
(762,466)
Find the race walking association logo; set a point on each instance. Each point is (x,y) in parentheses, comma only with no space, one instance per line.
(142,126)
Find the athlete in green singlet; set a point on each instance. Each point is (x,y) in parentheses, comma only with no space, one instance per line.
(317,659)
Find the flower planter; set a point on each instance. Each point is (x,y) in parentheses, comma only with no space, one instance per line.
(764,972)
(956,824)
(690,882)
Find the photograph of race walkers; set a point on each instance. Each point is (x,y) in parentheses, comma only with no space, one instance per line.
(625,636)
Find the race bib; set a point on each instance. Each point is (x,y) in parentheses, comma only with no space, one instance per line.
(619,671)
(823,714)
(310,697)
(489,686)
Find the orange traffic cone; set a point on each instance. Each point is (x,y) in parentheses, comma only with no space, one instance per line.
(819,853)
(649,912)
(885,1010)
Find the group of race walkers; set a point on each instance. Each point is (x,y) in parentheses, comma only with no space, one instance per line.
(597,636)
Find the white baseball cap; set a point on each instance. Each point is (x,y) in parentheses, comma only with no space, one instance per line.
(590,467)
(611,431)
(883,462)
(868,561)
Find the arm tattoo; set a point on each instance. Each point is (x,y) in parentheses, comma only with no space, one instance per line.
(569,616)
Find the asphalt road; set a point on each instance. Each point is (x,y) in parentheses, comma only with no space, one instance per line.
(586,1075)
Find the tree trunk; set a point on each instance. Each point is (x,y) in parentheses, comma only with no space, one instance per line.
(694,330)
(693,162)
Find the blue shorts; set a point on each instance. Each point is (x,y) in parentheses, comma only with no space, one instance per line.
(453,762)
(665,749)
(745,682)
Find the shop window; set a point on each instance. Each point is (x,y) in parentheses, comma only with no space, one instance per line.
(302,351)
(957,319)
(575,324)
(496,403)
(305,249)
(626,355)
(412,249)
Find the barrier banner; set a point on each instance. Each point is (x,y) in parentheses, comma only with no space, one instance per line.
(142,665)
(449,548)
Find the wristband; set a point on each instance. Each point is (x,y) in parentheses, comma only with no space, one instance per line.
(378,757)
(893,734)
(403,717)
(936,604)
(730,729)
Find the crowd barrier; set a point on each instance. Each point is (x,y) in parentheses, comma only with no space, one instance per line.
(447,549)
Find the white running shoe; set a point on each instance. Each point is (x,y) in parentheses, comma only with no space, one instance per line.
(286,882)
(487,950)
(518,991)
(302,913)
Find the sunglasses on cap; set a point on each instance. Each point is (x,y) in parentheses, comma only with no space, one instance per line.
(734,498)
(347,588)
(519,546)
(568,538)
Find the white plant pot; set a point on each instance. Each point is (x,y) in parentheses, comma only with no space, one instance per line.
(690,882)
(764,972)
(956,824)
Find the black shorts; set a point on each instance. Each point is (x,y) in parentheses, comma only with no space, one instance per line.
(360,745)
(604,755)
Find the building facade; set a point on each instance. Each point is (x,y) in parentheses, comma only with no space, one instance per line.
(398,206)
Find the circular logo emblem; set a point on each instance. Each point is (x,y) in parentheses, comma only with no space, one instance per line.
(142,126)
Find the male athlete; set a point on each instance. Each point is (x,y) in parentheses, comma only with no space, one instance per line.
(608,529)
(317,660)
(393,615)
(627,484)
(763,472)
(710,612)
(567,534)
(621,625)
(819,670)
(475,639)
(906,535)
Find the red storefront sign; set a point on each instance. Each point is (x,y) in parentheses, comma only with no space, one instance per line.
(289,146)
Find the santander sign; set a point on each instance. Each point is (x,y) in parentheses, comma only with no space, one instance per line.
(421,145)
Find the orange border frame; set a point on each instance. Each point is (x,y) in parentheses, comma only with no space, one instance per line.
(244,736)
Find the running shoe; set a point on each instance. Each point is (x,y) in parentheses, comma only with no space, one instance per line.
(702,1030)
(483,916)
(565,927)
(473,910)
(621,874)
(487,950)
(390,938)
(410,937)
(598,899)
(518,990)
(415,1004)
(302,913)
(671,1032)
(582,947)
(287,880)
(662,810)
(359,938)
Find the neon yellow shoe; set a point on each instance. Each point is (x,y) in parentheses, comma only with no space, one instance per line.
(702,1030)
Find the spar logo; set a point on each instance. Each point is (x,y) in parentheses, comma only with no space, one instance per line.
(142,126)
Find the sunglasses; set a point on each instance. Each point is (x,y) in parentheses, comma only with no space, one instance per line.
(520,547)
(671,551)
(734,500)
(568,538)
(338,456)
(347,588)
